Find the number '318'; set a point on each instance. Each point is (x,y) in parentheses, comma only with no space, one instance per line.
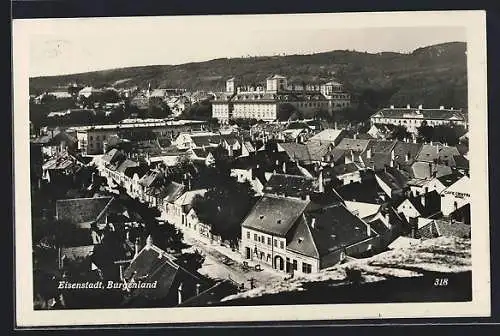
(441,282)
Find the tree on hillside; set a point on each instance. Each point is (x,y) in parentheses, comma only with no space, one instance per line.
(167,237)
(448,134)
(157,108)
(400,133)
(224,206)
(198,110)
(425,132)
(323,114)
(191,261)
(377,98)
(287,112)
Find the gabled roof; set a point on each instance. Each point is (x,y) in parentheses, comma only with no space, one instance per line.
(274,214)
(248,145)
(362,209)
(289,185)
(356,145)
(64,161)
(461,185)
(81,212)
(448,180)
(429,153)
(318,150)
(343,169)
(169,192)
(328,135)
(153,176)
(381,146)
(202,153)
(296,151)
(188,196)
(403,150)
(109,155)
(440,114)
(330,229)
(425,170)
(153,264)
(74,253)
(393,178)
(432,203)
(379,227)
(127,164)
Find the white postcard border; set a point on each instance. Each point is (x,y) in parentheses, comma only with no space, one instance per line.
(474,21)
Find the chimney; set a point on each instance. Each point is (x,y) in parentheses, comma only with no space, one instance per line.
(392,106)
(422,200)
(355,136)
(386,217)
(321,187)
(407,157)
(121,272)
(127,235)
(335,125)
(149,241)
(137,246)
(284,167)
(313,223)
(420,106)
(93,178)
(198,289)
(408,106)
(441,107)
(179,294)
(369,153)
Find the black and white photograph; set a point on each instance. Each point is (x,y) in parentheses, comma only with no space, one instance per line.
(232,168)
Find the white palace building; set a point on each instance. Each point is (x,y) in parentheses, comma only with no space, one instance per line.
(413,117)
(263,103)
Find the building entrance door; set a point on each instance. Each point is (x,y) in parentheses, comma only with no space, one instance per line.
(279,263)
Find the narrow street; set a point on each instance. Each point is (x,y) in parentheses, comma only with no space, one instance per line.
(222,263)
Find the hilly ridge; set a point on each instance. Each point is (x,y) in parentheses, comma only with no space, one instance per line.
(432,76)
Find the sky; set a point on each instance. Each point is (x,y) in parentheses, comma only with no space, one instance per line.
(66,46)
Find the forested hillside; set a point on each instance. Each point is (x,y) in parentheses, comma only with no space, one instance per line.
(432,76)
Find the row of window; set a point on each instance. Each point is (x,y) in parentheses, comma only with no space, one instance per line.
(261,239)
(314,104)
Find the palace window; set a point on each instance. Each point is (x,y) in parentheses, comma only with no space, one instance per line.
(248,234)
(306,268)
(282,245)
(275,243)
